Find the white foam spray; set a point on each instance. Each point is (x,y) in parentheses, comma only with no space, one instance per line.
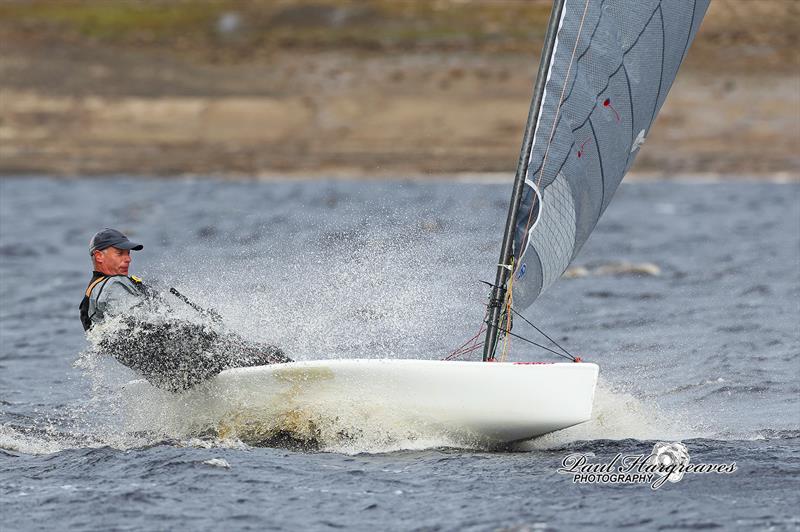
(618,415)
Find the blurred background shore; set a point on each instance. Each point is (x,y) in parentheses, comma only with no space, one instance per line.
(356,88)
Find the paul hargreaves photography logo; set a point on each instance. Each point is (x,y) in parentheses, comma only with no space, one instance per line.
(668,462)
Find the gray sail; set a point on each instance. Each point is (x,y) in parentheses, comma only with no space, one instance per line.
(612,66)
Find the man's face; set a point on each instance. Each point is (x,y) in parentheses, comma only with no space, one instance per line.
(112,261)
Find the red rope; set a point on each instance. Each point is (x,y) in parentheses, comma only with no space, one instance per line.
(465,348)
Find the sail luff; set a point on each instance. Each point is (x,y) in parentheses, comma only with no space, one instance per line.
(507,248)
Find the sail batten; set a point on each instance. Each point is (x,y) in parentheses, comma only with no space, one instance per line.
(610,70)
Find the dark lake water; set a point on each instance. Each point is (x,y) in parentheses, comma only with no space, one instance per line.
(706,352)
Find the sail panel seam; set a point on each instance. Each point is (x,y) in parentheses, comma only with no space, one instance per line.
(624,53)
(602,172)
(661,76)
(608,82)
(688,35)
(630,102)
(577,61)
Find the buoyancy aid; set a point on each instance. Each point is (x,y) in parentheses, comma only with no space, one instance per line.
(98,282)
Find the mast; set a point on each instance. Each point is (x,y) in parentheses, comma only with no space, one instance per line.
(507,249)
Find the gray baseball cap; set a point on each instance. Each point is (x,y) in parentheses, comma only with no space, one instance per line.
(111,237)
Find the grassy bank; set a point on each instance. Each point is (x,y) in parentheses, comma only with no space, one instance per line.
(239,30)
(751,34)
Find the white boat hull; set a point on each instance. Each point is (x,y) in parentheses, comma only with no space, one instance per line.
(467,403)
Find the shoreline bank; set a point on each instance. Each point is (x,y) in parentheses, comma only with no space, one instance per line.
(485,178)
(80,99)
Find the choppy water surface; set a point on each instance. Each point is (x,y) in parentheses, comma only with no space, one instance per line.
(706,352)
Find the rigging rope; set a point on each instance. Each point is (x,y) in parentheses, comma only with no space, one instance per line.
(465,348)
(508,308)
(562,355)
(474,344)
(542,333)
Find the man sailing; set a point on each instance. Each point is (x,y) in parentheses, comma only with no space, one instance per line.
(147,335)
